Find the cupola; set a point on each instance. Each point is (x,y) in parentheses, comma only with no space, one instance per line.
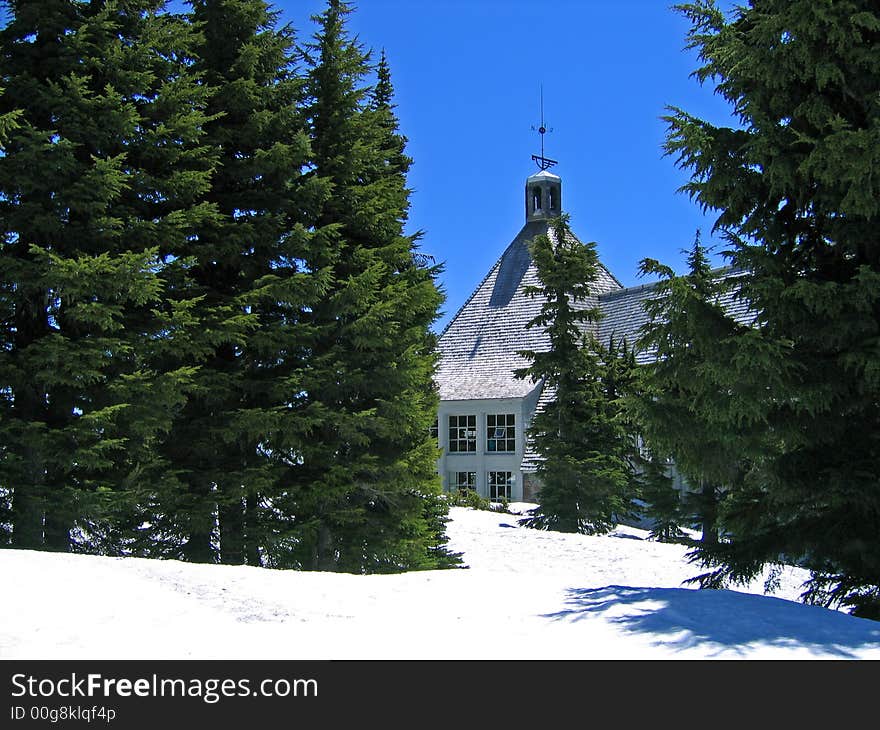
(543,196)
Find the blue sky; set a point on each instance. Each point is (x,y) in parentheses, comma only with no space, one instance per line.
(468,75)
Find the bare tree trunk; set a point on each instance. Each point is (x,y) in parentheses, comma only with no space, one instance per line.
(326,555)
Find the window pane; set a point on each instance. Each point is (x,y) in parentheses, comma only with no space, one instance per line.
(501,432)
(500,483)
(462,433)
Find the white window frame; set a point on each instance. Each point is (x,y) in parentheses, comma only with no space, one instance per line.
(460,481)
(462,434)
(505,483)
(501,432)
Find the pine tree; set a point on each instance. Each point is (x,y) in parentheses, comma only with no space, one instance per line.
(367,483)
(794,187)
(586,475)
(100,175)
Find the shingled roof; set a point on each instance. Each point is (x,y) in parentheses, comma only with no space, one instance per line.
(531,458)
(624,312)
(478,348)
(623,315)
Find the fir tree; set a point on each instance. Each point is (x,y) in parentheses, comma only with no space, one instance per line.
(229,443)
(99,177)
(662,502)
(367,481)
(795,188)
(680,403)
(8,123)
(587,481)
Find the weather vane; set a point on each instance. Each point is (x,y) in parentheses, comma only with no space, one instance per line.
(544,163)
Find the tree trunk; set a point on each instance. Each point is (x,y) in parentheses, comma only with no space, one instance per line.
(198,548)
(709,514)
(251,533)
(232,521)
(325,558)
(57,529)
(27,519)
(29,409)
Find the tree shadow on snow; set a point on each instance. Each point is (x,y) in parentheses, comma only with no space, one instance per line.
(685,618)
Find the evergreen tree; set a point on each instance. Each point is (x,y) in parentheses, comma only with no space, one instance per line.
(680,405)
(367,490)
(587,480)
(8,122)
(795,188)
(229,444)
(98,180)
(662,501)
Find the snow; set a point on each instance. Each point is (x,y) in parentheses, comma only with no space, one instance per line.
(527,594)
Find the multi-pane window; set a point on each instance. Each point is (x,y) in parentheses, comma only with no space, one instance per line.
(434,430)
(501,432)
(500,485)
(462,480)
(462,434)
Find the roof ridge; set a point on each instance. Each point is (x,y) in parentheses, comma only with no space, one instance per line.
(727,270)
(475,291)
(628,290)
(598,260)
(608,271)
(488,274)
(497,263)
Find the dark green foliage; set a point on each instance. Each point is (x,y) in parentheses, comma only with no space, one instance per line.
(215,337)
(795,186)
(230,442)
(468,498)
(684,391)
(8,122)
(587,480)
(367,468)
(99,178)
(435,517)
(663,504)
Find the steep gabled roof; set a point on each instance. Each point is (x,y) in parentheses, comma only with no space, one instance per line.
(478,348)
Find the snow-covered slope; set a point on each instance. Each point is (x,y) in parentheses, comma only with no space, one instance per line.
(527,594)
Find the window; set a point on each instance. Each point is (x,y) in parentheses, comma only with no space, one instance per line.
(462,481)
(434,431)
(501,432)
(462,434)
(551,199)
(500,485)
(536,198)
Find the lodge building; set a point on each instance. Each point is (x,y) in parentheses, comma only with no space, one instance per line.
(484,409)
